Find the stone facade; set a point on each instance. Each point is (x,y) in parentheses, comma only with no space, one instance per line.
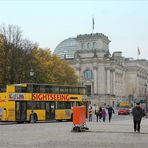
(107,77)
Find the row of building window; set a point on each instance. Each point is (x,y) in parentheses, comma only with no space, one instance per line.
(88,45)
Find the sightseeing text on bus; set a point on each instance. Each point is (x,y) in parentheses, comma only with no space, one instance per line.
(50,97)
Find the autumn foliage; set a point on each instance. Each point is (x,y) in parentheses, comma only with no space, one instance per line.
(19,56)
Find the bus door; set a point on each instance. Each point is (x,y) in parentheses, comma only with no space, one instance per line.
(50,110)
(20,111)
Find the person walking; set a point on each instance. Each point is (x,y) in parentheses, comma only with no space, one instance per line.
(100,113)
(104,114)
(137,113)
(32,117)
(110,111)
(94,108)
(90,113)
(97,113)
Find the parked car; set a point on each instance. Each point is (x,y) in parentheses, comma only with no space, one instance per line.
(123,111)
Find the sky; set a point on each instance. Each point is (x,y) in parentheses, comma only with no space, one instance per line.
(48,22)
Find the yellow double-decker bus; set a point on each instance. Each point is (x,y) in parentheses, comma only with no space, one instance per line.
(45,101)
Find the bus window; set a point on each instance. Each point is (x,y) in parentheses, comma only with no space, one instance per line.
(70,90)
(24,89)
(79,103)
(48,89)
(56,89)
(18,89)
(29,88)
(74,90)
(42,105)
(76,104)
(2,88)
(63,105)
(82,91)
(61,90)
(42,89)
(36,88)
(73,104)
(66,90)
(35,105)
(31,105)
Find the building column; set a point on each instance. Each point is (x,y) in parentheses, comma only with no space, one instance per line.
(95,78)
(114,82)
(108,81)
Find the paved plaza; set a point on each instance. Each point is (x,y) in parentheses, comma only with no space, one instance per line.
(117,134)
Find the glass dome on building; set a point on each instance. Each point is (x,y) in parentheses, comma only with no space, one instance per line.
(66,48)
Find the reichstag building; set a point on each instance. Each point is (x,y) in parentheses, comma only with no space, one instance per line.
(109,78)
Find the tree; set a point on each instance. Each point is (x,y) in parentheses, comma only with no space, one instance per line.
(62,72)
(18,56)
(13,54)
(1,57)
(49,68)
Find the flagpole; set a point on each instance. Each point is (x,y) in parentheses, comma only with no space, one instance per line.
(93,24)
(138,52)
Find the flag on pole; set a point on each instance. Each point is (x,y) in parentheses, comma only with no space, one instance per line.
(93,24)
(138,51)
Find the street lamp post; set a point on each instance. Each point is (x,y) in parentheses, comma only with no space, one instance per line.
(31,75)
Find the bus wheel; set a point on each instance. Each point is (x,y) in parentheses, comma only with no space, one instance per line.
(59,120)
(20,122)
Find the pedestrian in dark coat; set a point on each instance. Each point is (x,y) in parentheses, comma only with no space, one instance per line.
(110,111)
(100,113)
(137,117)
